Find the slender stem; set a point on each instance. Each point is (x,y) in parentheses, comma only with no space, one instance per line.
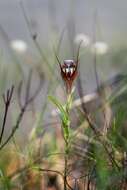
(4,121)
(92,126)
(14,128)
(66,139)
(7,99)
(66,164)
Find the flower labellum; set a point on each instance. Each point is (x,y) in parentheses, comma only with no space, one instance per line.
(69,73)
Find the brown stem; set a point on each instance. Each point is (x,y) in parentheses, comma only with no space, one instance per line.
(7,99)
(92,126)
(14,128)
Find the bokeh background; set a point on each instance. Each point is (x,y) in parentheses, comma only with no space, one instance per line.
(32,32)
(48,19)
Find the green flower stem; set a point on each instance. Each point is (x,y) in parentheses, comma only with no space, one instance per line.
(66,138)
(65,120)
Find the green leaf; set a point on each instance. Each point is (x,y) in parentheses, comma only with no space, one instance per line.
(64,116)
(61,108)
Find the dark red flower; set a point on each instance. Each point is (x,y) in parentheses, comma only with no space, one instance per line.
(69,70)
(69,73)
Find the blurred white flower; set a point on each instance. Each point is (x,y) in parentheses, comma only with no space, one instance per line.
(100,48)
(19,46)
(82,38)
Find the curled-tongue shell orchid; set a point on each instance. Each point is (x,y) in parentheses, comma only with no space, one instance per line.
(69,70)
(69,73)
